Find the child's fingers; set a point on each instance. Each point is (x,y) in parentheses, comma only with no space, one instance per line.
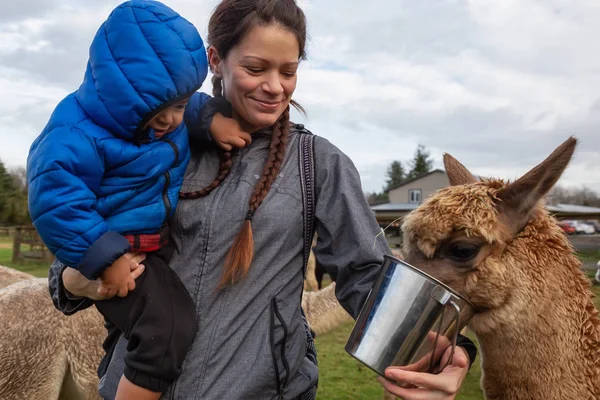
(238,142)
(122,291)
(131,284)
(225,146)
(103,291)
(137,257)
(106,292)
(247,138)
(138,271)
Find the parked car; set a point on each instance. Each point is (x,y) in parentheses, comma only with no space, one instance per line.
(586,228)
(567,227)
(581,227)
(595,224)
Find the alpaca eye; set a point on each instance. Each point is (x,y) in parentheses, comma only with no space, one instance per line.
(462,251)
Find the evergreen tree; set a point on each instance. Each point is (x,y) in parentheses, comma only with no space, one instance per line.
(421,163)
(377,198)
(13,200)
(395,175)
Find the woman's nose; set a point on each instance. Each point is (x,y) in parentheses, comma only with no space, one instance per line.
(273,84)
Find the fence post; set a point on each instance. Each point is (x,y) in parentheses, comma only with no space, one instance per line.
(47,256)
(16,254)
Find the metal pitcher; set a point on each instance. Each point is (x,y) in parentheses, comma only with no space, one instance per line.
(409,319)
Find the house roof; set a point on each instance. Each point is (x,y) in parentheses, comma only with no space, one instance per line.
(416,178)
(572,209)
(395,207)
(390,211)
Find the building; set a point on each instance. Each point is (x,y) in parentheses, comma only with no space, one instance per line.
(408,195)
(414,191)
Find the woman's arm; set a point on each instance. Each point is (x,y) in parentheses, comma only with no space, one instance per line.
(64,301)
(348,246)
(72,292)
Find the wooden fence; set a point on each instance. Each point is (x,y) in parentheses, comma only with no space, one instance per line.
(27,235)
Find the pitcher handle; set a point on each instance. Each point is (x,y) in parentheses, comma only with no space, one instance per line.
(437,335)
(456,309)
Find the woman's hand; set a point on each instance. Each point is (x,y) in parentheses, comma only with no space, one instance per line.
(424,386)
(78,285)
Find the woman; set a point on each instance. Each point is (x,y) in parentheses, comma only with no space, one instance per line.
(251,341)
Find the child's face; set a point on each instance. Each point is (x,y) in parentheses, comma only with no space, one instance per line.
(168,119)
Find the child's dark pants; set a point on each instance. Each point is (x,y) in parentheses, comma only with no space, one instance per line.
(158,318)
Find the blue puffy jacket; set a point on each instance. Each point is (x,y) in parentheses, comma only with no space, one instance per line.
(94,173)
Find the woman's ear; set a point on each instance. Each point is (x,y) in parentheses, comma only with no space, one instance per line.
(214,60)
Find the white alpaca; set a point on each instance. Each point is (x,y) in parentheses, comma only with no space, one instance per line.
(45,355)
(310,281)
(323,312)
(8,276)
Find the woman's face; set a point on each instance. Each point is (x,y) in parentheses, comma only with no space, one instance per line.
(259,75)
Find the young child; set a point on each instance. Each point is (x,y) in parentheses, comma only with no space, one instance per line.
(104,177)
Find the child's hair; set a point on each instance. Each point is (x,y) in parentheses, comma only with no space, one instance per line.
(230,22)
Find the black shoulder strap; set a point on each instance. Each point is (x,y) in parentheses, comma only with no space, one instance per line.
(306,163)
(307,180)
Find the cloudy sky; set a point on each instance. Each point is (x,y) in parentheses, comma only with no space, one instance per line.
(497,84)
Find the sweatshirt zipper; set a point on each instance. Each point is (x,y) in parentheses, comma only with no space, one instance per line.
(279,381)
(167,175)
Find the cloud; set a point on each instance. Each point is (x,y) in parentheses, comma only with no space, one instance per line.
(496,84)
(23,9)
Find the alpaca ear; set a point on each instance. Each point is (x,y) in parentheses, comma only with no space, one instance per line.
(457,173)
(519,198)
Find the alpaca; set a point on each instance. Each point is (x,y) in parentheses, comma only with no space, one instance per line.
(496,244)
(310,281)
(323,312)
(8,276)
(45,355)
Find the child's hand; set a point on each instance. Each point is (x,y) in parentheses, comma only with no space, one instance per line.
(227,133)
(117,279)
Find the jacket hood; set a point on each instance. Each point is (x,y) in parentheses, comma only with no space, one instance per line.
(143,58)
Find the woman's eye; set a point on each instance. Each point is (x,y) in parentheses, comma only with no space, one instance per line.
(462,251)
(254,70)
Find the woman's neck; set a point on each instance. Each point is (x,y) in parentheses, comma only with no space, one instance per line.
(247,127)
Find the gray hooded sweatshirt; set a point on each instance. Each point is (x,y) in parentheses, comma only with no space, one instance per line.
(251,341)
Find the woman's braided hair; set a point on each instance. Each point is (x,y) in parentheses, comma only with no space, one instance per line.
(225,156)
(230,22)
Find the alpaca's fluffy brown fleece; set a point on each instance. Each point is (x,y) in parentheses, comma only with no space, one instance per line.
(536,322)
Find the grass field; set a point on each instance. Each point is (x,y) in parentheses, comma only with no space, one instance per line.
(589,255)
(39,269)
(341,377)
